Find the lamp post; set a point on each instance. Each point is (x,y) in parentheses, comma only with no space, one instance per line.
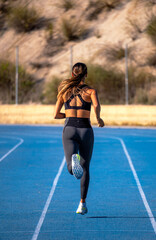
(126,74)
(16,77)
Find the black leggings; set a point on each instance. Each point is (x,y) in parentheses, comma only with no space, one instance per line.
(79,140)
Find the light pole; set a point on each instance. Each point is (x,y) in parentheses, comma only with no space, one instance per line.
(126,74)
(16,77)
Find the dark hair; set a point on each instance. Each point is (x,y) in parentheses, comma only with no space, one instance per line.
(79,70)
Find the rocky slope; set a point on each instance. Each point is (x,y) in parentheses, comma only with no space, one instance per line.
(124,24)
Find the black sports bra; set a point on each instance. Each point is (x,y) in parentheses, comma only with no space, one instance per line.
(85,105)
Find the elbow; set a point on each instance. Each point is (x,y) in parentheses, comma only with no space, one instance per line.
(97,106)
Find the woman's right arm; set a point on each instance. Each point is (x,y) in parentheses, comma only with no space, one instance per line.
(97,108)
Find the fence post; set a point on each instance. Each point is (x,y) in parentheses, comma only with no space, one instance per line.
(16,77)
(126,75)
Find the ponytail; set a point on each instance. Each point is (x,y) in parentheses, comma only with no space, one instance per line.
(79,70)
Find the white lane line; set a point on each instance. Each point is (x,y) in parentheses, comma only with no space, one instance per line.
(12,149)
(150,214)
(42,217)
(145,141)
(45,142)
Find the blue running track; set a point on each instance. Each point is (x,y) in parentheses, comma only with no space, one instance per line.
(38,197)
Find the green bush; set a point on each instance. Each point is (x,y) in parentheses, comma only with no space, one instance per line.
(108,82)
(151,29)
(138,79)
(49,95)
(72,29)
(23,19)
(7,83)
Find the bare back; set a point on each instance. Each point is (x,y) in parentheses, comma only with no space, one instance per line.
(85,93)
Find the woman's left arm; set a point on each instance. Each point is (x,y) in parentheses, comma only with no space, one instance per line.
(57,113)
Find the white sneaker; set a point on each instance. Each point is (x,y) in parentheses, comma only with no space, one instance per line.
(82,209)
(76,167)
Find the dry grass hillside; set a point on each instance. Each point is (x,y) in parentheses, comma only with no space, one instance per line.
(94,28)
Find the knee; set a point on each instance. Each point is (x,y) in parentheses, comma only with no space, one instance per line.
(85,167)
(86,173)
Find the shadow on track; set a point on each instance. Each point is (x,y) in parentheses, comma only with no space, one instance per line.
(117,217)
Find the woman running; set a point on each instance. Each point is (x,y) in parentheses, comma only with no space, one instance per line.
(78,136)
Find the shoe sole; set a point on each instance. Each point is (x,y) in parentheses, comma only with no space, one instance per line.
(83,213)
(76,167)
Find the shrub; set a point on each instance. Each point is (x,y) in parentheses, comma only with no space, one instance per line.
(39,65)
(66,4)
(138,79)
(151,29)
(49,31)
(72,29)
(149,2)
(144,96)
(7,83)
(111,4)
(141,96)
(54,45)
(5,6)
(49,95)
(134,26)
(23,19)
(114,52)
(97,6)
(152,2)
(152,95)
(152,60)
(108,82)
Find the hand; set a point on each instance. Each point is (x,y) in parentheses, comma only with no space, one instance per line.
(100,122)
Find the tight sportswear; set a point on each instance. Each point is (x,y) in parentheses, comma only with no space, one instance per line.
(78,137)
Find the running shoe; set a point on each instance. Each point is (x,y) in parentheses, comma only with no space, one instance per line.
(82,209)
(76,167)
